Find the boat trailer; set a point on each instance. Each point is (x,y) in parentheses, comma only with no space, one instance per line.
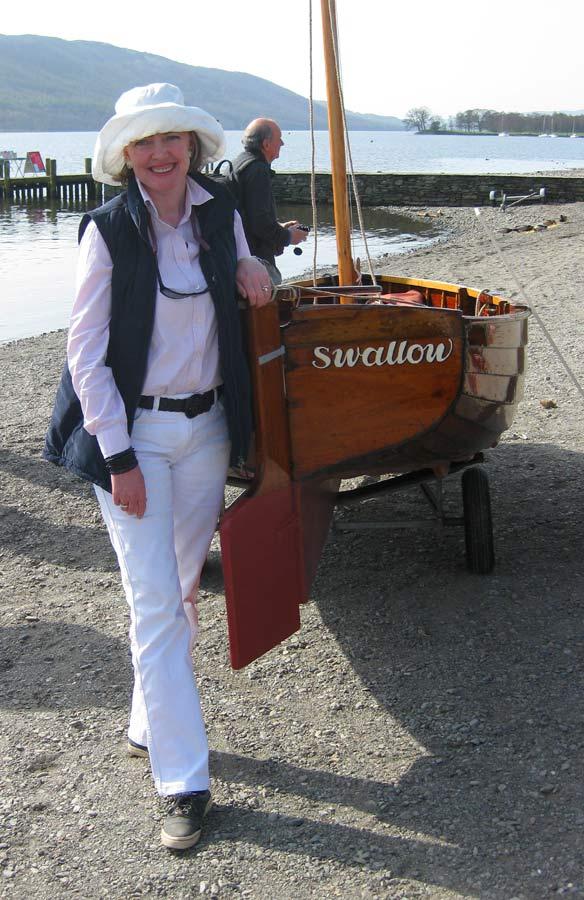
(476,503)
(503,198)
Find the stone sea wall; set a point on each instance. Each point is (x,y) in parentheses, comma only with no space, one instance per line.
(411,189)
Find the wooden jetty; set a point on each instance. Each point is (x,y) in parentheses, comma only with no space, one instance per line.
(51,186)
(376,189)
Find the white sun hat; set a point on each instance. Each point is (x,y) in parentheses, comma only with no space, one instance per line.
(152,109)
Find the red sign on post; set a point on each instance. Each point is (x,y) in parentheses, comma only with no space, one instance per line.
(34,164)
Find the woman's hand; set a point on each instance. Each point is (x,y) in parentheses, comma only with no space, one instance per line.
(129,492)
(253,281)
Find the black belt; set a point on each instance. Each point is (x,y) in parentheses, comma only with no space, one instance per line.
(191,406)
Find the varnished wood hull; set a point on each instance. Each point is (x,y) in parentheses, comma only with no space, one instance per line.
(392,413)
(342,390)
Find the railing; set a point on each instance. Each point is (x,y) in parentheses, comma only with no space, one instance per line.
(51,186)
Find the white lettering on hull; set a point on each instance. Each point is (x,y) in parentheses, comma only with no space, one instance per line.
(396,353)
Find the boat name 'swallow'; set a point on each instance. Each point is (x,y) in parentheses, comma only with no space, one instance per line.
(393,354)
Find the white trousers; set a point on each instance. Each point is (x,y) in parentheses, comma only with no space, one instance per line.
(184,463)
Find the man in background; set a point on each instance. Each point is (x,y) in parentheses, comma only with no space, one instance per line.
(267,238)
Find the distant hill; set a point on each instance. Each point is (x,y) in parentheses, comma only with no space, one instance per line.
(48,84)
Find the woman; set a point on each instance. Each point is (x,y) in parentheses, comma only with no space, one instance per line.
(154,404)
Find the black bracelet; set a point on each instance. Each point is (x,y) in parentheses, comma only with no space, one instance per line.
(121,462)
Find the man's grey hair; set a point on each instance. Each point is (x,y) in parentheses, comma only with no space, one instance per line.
(253,137)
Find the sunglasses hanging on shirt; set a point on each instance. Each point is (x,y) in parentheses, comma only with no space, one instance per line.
(170,292)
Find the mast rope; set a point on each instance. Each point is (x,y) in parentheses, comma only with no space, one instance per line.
(312,146)
(347,141)
(529,302)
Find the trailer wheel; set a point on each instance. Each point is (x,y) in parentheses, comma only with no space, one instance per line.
(478,524)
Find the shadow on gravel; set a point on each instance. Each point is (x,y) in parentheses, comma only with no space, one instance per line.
(41,473)
(63,545)
(485,673)
(358,848)
(45,665)
(212,574)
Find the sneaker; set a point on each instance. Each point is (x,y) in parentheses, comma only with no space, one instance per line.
(135,749)
(184,819)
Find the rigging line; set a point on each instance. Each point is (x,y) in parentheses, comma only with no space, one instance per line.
(347,142)
(312,147)
(529,303)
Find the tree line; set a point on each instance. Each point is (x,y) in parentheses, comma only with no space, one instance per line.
(478,121)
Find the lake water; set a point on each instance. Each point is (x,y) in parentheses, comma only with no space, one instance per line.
(38,243)
(373,151)
(39,251)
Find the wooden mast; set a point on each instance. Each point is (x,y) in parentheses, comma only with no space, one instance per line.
(347,274)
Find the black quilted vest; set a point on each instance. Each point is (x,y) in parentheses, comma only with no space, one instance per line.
(123,225)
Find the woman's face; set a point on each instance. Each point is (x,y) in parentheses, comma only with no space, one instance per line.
(161,161)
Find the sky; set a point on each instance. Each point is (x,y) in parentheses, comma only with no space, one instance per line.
(509,55)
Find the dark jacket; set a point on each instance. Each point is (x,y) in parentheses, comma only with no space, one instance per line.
(265,236)
(123,224)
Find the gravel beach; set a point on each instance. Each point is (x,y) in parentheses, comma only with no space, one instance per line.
(422,736)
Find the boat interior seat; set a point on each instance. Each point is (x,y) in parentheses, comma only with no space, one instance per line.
(403,298)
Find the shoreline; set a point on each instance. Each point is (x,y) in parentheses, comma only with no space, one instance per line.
(458,223)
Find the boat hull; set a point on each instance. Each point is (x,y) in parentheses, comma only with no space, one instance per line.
(377,389)
(342,390)
(362,380)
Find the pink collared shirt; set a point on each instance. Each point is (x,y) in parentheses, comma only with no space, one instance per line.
(184,352)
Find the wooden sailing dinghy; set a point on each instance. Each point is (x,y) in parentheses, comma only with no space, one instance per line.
(405,376)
